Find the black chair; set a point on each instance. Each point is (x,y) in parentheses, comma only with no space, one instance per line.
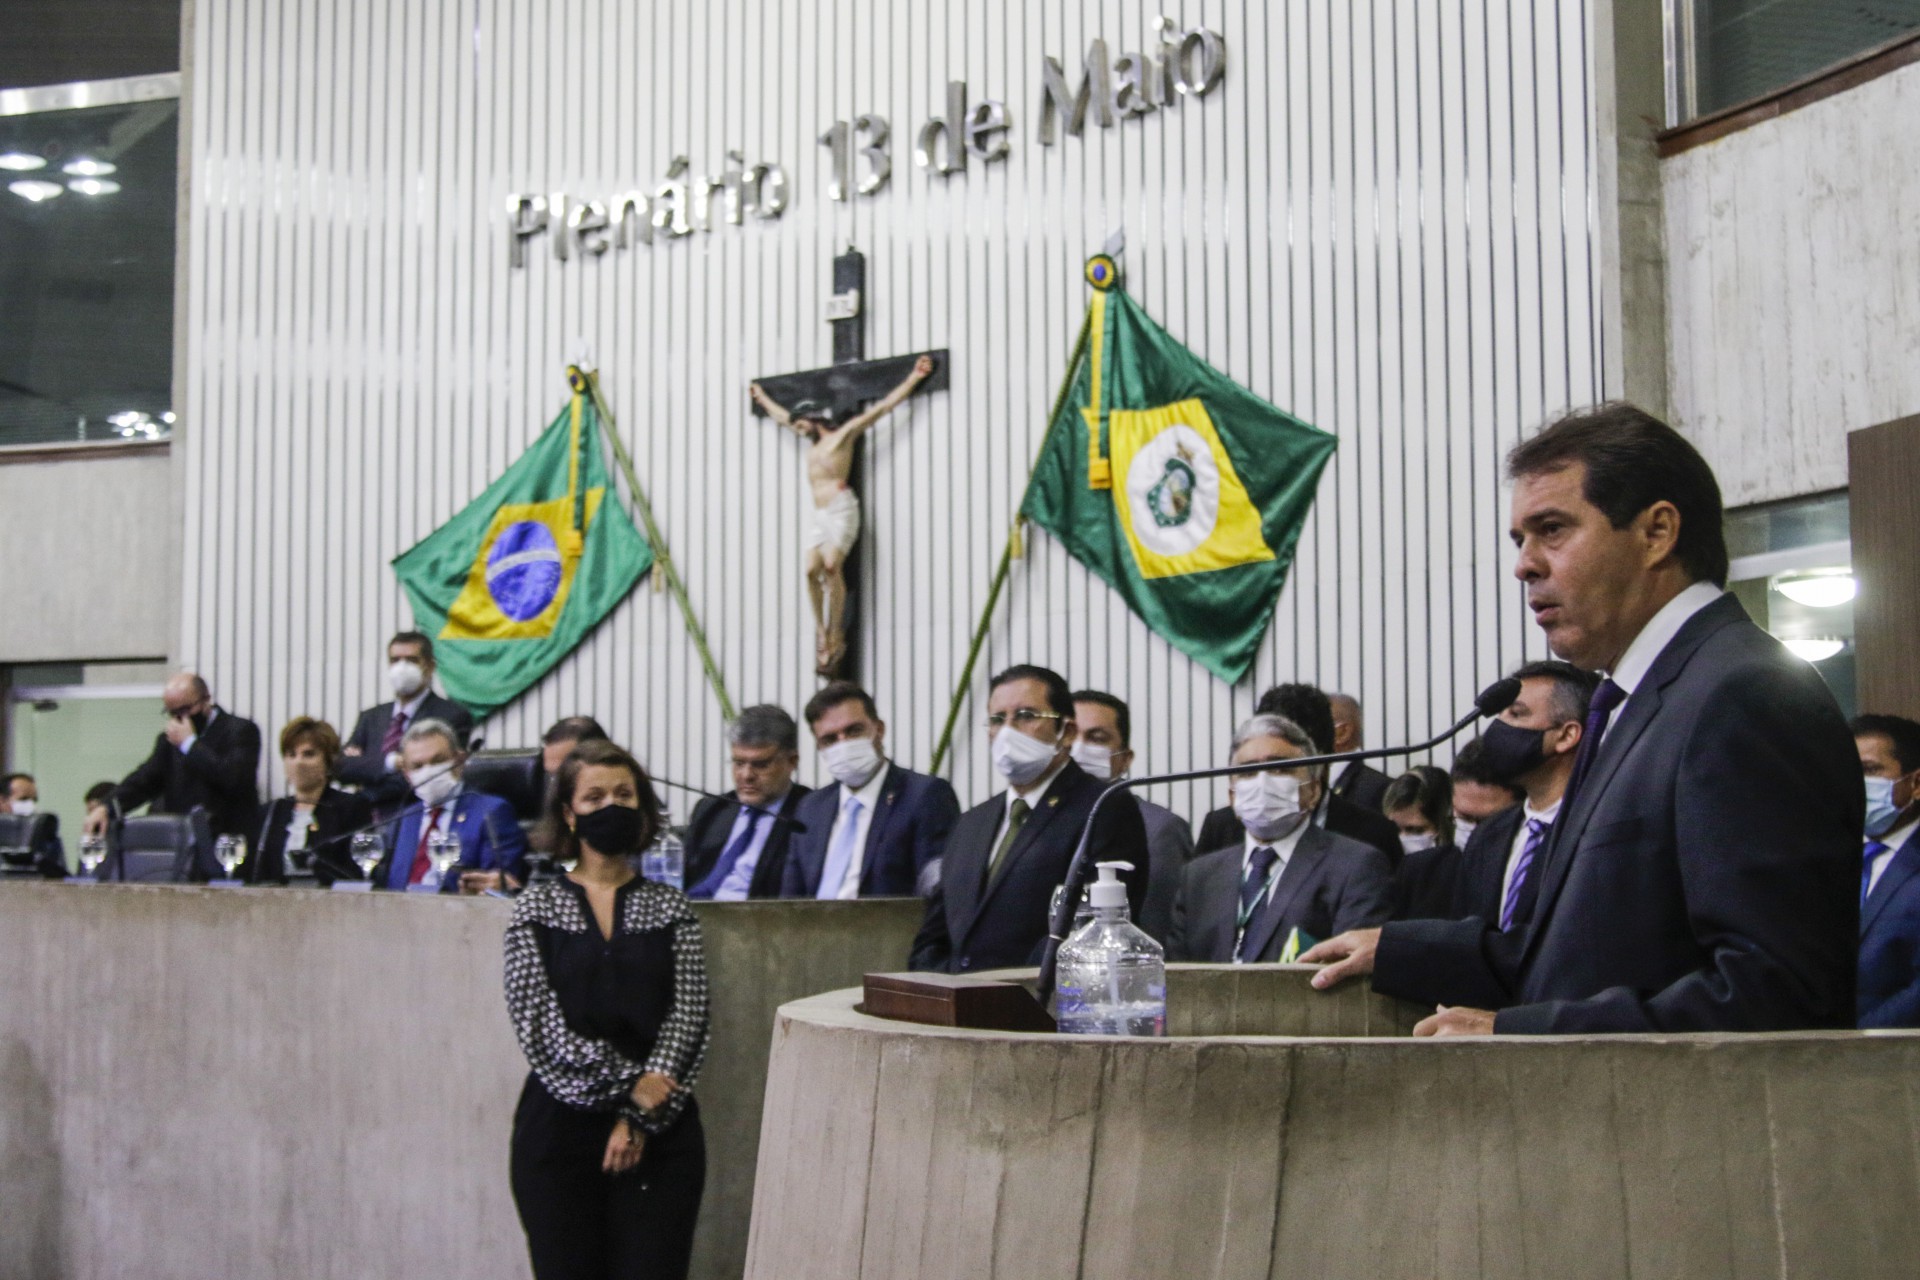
(162,848)
(514,776)
(26,845)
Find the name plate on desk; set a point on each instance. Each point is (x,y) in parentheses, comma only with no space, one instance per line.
(353,886)
(947,1000)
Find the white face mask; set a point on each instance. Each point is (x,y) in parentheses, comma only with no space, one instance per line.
(852,761)
(1267,804)
(1095,759)
(25,808)
(1411,843)
(407,678)
(1463,830)
(434,785)
(1021,760)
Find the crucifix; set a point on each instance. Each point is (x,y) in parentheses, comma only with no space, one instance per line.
(832,409)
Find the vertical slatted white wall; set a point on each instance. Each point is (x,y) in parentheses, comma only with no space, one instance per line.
(1384,220)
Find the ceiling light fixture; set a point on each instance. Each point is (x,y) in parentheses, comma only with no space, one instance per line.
(21,161)
(1819,591)
(88,167)
(94,186)
(1814,648)
(35,189)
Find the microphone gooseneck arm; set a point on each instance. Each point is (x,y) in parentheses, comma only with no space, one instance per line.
(1494,699)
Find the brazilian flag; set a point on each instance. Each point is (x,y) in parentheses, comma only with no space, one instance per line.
(1181,488)
(519,577)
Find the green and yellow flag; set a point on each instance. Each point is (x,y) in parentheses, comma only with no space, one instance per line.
(511,584)
(1181,488)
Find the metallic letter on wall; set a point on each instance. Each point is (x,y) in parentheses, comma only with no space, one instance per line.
(632,219)
(941,148)
(987,125)
(1095,90)
(588,223)
(526,218)
(671,213)
(1134,77)
(879,159)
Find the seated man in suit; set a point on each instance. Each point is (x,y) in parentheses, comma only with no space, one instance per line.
(1477,796)
(1241,904)
(1312,710)
(1420,802)
(1103,746)
(1356,780)
(1006,856)
(371,760)
(873,832)
(206,758)
(737,843)
(1703,873)
(1531,746)
(20,796)
(1889,749)
(493,848)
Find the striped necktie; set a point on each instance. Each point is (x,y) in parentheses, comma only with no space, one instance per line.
(1537,829)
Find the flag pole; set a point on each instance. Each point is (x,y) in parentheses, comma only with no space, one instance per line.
(1007,555)
(662,562)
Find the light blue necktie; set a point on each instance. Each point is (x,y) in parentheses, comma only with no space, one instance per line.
(840,857)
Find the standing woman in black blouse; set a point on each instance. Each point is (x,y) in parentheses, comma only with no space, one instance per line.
(607,985)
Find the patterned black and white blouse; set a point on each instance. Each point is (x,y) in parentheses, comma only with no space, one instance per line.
(594,1014)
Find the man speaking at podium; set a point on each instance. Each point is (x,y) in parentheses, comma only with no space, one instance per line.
(1703,874)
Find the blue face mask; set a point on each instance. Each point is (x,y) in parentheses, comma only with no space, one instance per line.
(1882,813)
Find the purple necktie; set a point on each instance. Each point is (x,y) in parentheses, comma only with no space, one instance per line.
(1607,697)
(728,856)
(1537,829)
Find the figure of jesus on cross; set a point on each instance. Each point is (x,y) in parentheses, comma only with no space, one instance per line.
(835,526)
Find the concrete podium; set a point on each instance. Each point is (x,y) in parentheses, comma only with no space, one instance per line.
(200,1083)
(1283,1132)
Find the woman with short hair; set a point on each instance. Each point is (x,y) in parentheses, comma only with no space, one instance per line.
(310,825)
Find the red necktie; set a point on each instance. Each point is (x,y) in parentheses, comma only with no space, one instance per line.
(396,729)
(421,862)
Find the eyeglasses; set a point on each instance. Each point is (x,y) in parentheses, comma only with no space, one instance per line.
(1021,718)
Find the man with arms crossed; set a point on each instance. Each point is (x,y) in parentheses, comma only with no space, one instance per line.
(1703,871)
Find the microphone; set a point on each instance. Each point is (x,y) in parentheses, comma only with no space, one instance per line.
(798,827)
(1493,699)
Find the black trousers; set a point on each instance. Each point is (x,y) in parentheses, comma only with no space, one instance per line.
(583,1224)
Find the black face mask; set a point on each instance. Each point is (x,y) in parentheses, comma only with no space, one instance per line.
(1512,751)
(612,829)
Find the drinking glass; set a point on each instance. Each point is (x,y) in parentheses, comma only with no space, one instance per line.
(93,852)
(366,852)
(443,851)
(229,852)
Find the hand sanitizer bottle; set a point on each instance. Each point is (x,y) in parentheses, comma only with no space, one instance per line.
(1112,978)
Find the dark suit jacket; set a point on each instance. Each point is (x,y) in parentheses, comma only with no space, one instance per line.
(712,823)
(1890,944)
(912,819)
(971,925)
(368,770)
(1483,872)
(1330,884)
(1363,784)
(1170,846)
(336,815)
(1705,876)
(1427,885)
(218,775)
(1344,818)
(491,839)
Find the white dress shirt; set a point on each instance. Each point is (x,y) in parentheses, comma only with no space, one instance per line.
(868,794)
(1653,640)
(1282,850)
(1893,840)
(1527,814)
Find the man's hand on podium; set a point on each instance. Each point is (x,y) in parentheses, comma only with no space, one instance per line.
(1348,956)
(1445,1021)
